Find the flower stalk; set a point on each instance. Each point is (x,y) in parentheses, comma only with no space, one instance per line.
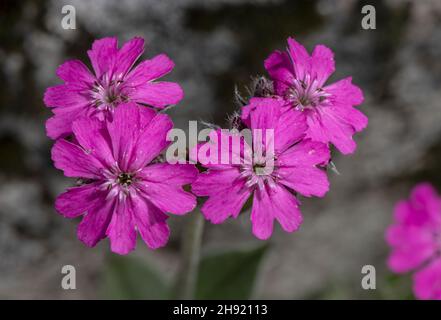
(190,257)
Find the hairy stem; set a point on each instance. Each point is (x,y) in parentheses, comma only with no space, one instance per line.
(190,256)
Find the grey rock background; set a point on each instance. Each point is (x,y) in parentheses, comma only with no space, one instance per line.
(215,45)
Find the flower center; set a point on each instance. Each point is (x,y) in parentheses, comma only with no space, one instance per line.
(107,93)
(125,179)
(306,94)
(259,169)
(260,172)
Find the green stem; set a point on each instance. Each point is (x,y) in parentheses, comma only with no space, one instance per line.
(190,256)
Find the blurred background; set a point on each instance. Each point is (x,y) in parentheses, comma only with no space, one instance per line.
(217,44)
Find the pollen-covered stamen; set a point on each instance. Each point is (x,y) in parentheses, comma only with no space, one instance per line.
(306,94)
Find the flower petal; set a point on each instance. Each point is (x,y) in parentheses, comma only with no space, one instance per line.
(151,223)
(325,126)
(167,195)
(128,54)
(264,113)
(103,55)
(291,128)
(411,246)
(212,182)
(74,161)
(425,206)
(228,203)
(279,67)
(157,94)
(262,215)
(129,121)
(149,70)
(94,224)
(76,72)
(345,95)
(77,200)
(150,142)
(353,117)
(264,117)
(306,153)
(300,58)
(322,64)
(307,180)
(60,124)
(176,174)
(66,96)
(227,193)
(344,92)
(222,150)
(92,135)
(274,203)
(267,113)
(427,282)
(121,229)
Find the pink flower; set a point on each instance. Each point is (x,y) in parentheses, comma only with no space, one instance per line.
(415,239)
(123,189)
(299,79)
(293,169)
(97,95)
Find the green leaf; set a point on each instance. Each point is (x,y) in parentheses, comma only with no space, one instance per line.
(229,275)
(396,287)
(132,278)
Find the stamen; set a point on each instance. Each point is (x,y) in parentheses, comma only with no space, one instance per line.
(306,94)
(107,94)
(259,169)
(125,179)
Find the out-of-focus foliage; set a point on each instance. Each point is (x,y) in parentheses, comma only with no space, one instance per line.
(388,287)
(226,275)
(229,275)
(132,278)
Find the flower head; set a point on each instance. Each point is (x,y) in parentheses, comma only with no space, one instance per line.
(124,190)
(271,168)
(415,240)
(299,79)
(113,82)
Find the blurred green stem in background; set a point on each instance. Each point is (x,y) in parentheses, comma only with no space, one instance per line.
(190,256)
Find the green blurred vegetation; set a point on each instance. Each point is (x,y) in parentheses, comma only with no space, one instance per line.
(223,275)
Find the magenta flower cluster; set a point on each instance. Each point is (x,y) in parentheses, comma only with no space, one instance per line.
(110,137)
(415,240)
(306,116)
